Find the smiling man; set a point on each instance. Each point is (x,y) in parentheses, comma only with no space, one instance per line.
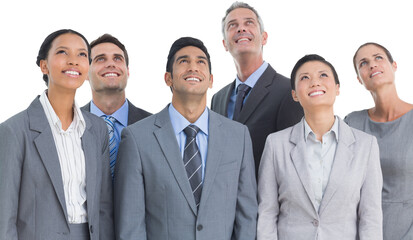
(186,172)
(259,97)
(108,76)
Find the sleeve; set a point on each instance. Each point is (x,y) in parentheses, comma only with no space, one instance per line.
(106,230)
(289,114)
(129,190)
(11,160)
(268,206)
(370,208)
(246,211)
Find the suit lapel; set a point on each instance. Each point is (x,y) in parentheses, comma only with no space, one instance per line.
(167,141)
(89,150)
(298,156)
(214,155)
(258,93)
(227,97)
(47,149)
(341,165)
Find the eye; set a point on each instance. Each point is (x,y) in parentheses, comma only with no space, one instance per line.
(100,59)
(183,61)
(362,64)
(118,59)
(304,78)
(61,52)
(202,61)
(250,22)
(231,25)
(83,54)
(324,75)
(379,57)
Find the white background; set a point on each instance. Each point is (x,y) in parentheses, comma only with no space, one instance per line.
(332,29)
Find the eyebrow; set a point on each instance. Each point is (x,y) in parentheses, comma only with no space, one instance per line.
(80,49)
(187,56)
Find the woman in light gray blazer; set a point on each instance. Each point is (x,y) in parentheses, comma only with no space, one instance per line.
(390,120)
(54,164)
(319,179)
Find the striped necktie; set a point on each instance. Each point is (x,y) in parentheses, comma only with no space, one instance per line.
(193,162)
(113,146)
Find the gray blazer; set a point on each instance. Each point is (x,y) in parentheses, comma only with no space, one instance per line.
(134,113)
(153,198)
(351,205)
(269,108)
(32,201)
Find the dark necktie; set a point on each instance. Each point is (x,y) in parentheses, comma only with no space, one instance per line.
(193,162)
(113,148)
(243,90)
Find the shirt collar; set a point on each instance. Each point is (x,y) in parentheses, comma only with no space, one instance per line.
(253,78)
(121,115)
(179,122)
(78,122)
(334,129)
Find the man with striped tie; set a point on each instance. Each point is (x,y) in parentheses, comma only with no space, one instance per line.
(108,76)
(186,172)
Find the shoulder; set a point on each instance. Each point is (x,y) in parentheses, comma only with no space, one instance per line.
(16,123)
(223,91)
(139,111)
(95,124)
(283,136)
(86,107)
(356,116)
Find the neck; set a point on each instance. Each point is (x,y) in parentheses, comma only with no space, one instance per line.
(108,103)
(320,121)
(388,105)
(62,104)
(247,65)
(191,109)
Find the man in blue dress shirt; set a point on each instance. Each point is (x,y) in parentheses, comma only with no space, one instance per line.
(186,172)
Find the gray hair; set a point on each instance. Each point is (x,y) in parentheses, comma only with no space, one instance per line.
(236,5)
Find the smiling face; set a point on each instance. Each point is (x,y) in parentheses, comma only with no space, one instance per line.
(374,68)
(108,70)
(242,33)
(190,73)
(315,86)
(67,62)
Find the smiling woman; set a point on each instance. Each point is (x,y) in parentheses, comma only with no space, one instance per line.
(320,174)
(390,120)
(52,152)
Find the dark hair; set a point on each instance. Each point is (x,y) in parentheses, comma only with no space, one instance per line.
(47,44)
(185,42)
(309,58)
(388,54)
(107,38)
(237,5)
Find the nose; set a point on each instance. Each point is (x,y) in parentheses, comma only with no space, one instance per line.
(241,28)
(315,82)
(193,67)
(73,61)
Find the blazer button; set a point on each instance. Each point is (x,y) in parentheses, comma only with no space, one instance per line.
(91,228)
(199,227)
(316,223)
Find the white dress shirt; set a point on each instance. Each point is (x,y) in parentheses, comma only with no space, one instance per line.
(320,158)
(71,158)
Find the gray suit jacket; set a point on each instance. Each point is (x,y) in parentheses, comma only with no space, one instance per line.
(153,198)
(351,205)
(134,113)
(269,108)
(32,200)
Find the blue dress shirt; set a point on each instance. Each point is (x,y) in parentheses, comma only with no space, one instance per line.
(251,81)
(121,116)
(179,123)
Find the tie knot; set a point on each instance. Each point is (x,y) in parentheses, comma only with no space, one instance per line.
(109,118)
(244,88)
(191,131)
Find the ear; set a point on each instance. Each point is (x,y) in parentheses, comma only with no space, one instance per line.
(264,38)
(358,78)
(294,94)
(168,79)
(43,67)
(394,65)
(337,89)
(128,71)
(225,44)
(211,80)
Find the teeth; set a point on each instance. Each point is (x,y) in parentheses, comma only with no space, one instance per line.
(110,75)
(316,93)
(192,79)
(243,39)
(72,73)
(374,74)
